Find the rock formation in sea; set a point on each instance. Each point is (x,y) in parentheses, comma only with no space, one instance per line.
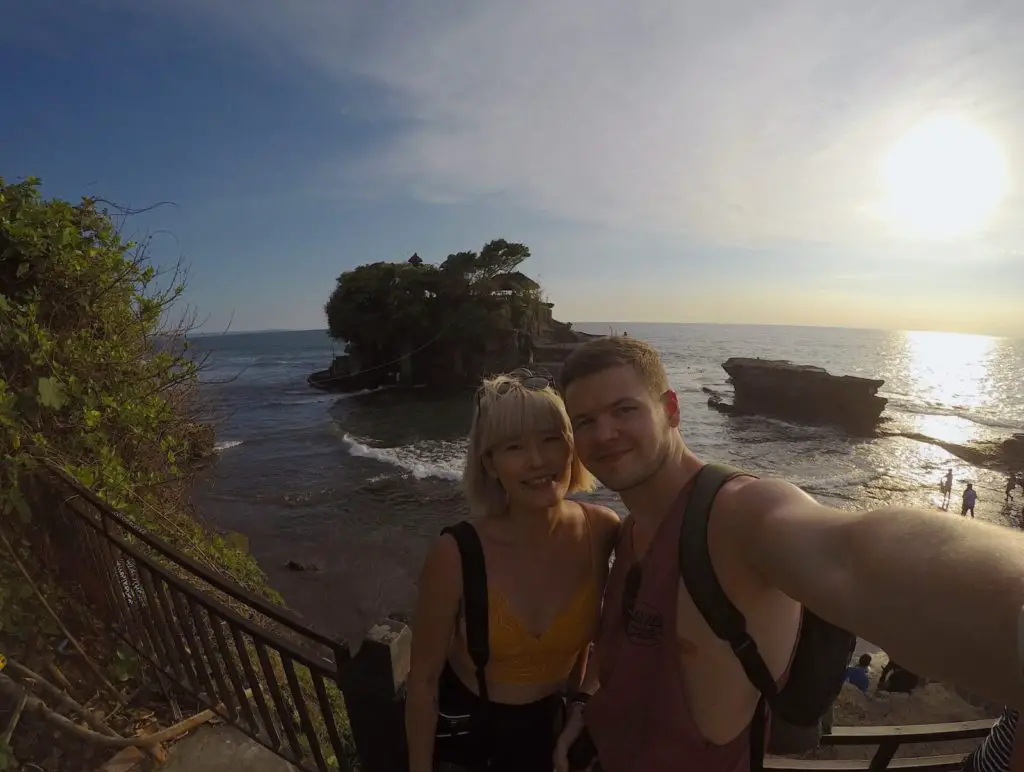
(801,393)
(412,323)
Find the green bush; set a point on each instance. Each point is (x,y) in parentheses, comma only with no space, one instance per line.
(95,375)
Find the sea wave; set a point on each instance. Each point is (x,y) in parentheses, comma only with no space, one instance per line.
(907,404)
(226,445)
(321,397)
(830,482)
(314,400)
(427,459)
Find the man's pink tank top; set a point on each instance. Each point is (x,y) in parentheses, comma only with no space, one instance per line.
(639,719)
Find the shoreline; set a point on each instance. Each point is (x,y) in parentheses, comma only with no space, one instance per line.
(364,537)
(362,546)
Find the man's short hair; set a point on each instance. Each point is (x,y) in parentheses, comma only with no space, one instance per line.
(596,356)
(864,661)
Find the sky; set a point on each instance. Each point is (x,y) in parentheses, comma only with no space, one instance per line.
(849,163)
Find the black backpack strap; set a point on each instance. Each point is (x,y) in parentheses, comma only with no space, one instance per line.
(724,619)
(474,598)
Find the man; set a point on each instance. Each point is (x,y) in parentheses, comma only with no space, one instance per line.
(666,693)
(858,674)
(970,498)
(947,488)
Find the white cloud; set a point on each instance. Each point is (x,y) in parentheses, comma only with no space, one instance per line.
(755,123)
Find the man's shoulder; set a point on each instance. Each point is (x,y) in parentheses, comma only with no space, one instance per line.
(747,508)
(747,494)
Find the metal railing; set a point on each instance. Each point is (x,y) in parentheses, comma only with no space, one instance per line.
(252,662)
(889,739)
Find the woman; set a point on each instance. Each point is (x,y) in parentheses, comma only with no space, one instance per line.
(1003,749)
(545,560)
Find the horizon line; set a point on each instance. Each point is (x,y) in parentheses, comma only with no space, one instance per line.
(635,324)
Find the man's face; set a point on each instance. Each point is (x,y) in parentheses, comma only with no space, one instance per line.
(622,430)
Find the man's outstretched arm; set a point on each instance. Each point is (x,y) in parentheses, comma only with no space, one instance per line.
(942,595)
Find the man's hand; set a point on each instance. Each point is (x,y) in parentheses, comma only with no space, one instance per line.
(572,729)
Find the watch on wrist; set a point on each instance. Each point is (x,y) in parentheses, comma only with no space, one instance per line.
(579,698)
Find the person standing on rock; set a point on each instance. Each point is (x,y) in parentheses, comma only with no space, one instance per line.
(667,692)
(970,498)
(947,488)
(510,602)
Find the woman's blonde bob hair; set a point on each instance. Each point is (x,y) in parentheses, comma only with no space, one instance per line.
(505,409)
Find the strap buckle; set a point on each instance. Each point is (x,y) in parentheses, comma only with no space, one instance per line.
(744,645)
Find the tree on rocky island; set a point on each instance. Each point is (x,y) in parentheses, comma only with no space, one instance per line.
(433,323)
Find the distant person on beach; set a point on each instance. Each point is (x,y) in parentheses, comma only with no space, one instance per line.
(1011,483)
(858,674)
(670,694)
(520,587)
(970,498)
(946,486)
(1003,748)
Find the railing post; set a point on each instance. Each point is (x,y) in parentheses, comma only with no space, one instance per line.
(886,750)
(373,684)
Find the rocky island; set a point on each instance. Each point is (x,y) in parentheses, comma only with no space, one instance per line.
(801,393)
(412,323)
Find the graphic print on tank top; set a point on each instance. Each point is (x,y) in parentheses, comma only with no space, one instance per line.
(644,623)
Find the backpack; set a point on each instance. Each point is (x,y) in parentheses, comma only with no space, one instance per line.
(896,678)
(823,651)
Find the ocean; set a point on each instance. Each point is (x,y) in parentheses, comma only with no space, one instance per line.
(355,487)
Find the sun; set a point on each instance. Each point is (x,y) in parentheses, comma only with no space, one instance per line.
(944,178)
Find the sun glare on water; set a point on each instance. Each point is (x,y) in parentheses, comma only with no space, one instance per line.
(952,372)
(944,178)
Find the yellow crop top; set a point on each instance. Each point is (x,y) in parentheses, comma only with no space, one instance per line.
(517,656)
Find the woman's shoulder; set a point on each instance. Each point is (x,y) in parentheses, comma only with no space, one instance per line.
(604,521)
(444,559)
(599,513)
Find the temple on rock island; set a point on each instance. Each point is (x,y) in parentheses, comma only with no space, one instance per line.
(447,325)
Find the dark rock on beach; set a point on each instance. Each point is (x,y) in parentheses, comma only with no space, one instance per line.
(294,565)
(1002,455)
(801,393)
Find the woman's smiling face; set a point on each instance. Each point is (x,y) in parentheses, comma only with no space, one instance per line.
(533,468)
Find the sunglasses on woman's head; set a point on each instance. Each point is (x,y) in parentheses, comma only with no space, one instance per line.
(528,379)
